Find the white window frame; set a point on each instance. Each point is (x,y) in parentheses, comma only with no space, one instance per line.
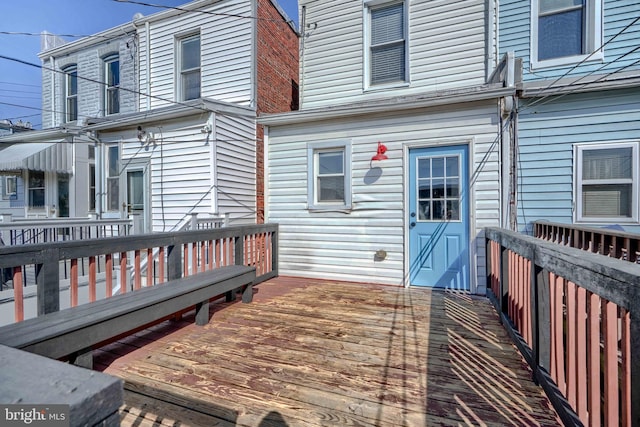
(313,150)
(68,96)
(180,40)
(368,6)
(31,189)
(108,60)
(593,34)
(112,177)
(10,181)
(579,217)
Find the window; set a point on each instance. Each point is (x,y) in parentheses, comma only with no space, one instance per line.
(112,84)
(189,68)
(36,189)
(10,187)
(607,182)
(92,177)
(71,93)
(565,31)
(329,175)
(113,178)
(386,54)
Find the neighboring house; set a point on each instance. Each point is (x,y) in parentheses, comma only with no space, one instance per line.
(414,77)
(163,110)
(578,118)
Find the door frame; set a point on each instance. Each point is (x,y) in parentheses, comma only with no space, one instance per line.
(438,143)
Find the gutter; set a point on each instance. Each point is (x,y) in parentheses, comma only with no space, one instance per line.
(189,108)
(580,84)
(434,99)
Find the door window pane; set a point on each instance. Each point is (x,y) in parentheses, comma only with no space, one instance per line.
(438,185)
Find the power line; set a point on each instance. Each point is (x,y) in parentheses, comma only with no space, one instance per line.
(42,67)
(206,12)
(587,58)
(18,84)
(24,33)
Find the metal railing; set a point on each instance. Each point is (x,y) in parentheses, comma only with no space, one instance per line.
(603,241)
(575,317)
(115,265)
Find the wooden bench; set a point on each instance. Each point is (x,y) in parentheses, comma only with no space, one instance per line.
(73,332)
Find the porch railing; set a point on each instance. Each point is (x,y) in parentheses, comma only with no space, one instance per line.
(30,231)
(603,241)
(575,317)
(120,259)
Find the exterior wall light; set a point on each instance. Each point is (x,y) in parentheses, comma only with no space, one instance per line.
(380,154)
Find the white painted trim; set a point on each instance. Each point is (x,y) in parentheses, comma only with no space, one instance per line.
(314,147)
(577,171)
(213,166)
(265,153)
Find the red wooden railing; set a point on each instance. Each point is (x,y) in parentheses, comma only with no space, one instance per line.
(177,254)
(575,318)
(603,241)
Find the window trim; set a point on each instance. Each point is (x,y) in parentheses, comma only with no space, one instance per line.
(367,7)
(6,194)
(180,92)
(68,71)
(313,148)
(108,60)
(593,37)
(578,182)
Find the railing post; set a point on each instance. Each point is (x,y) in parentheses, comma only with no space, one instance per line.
(274,251)
(48,281)
(635,363)
(542,324)
(503,298)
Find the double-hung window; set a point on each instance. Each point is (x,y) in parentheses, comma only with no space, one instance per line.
(189,67)
(10,187)
(386,43)
(71,93)
(329,175)
(606,179)
(565,31)
(113,178)
(112,84)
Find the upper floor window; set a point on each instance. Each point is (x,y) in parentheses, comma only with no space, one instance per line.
(387,42)
(71,93)
(189,68)
(112,84)
(606,179)
(565,31)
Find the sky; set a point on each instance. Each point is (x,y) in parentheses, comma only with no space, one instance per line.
(20,84)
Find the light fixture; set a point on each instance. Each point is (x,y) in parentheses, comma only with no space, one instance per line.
(145,137)
(380,154)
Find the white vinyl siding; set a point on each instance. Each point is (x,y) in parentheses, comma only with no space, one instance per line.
(606,177)
(226,54)
(436,60)
(341,245)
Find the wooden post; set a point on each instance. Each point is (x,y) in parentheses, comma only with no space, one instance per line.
(542,333)
(635,362)
(174,262)
(503,298)
(48,281)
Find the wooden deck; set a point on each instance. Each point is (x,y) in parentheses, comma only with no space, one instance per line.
(318,353)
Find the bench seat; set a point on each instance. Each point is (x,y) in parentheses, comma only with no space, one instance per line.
(71,333)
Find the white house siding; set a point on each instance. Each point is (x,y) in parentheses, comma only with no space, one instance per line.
(181,173)
(547,132)
(514,30)
(337,245)
(226,52)
(447,49)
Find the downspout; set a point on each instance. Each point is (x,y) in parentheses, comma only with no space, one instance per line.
(52,63)
(147,31)
(213,168)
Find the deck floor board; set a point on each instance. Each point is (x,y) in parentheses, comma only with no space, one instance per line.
(320,353)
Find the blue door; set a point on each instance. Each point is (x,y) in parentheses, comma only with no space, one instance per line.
(439,217)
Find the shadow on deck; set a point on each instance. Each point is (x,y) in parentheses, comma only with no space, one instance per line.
(316,352)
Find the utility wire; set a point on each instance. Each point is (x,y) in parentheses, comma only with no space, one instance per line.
(19,84)
(24,33)
(586,59)
(206,12)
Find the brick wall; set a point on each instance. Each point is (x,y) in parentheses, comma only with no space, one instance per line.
(277,78)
